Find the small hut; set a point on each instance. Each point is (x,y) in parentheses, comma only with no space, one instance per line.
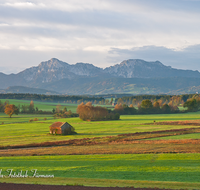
(62,128)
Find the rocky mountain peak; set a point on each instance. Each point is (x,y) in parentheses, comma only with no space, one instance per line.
(52,64)
(137,68)
(139,62)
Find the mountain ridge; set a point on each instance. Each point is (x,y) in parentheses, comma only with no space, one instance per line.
(87,69)
(65,78)
(137,68)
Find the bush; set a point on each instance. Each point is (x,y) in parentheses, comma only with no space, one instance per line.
(45,118)
(65,115)
(35,119)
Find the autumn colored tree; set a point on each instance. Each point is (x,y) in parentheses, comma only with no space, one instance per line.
(89,112)
(134,101)
(118,107)
(11,109)
(31,108)
(160,102)
(125,109)
(173,105)
(120,101)
(156,107)
(58,108)
(64,109)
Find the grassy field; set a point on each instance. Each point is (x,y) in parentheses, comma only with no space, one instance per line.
(111,164)
(22,118)
(18,130)
(45,106)
(185,136)
(143,167)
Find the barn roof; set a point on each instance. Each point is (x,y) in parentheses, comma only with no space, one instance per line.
(57,124)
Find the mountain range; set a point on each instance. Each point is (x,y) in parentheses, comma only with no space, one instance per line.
(134,76)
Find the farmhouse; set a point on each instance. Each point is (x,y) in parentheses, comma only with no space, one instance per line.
(63,128)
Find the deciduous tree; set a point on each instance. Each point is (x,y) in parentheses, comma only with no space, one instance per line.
(11,109)
(31,108)
(146,104)
(165,108)
(89,112)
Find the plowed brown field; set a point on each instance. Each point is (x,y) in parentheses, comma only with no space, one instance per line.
(12,186)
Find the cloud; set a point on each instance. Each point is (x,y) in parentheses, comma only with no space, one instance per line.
(187,58)
(14,61)
(90,28)
(20,5)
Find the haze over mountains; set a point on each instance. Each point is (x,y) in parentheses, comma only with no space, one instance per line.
(132,76)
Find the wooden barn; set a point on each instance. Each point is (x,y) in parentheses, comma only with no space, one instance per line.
(62,128)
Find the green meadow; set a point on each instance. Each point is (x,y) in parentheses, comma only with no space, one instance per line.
(178,171)
(18,129)
(44,106)
(184,136)
(143,167)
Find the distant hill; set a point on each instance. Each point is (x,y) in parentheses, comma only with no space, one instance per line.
(188,90)
(133,76)
(22,89)
(97,85)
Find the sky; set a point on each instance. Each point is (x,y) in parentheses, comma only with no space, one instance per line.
(100,32)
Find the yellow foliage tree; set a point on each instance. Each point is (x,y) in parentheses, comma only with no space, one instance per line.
(11,109)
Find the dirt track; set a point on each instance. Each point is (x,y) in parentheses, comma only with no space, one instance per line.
(12,186)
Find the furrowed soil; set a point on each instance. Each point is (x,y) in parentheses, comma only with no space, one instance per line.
(137,147)
(120,139)
(12,186)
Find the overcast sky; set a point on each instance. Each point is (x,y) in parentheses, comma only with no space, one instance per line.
(101,32)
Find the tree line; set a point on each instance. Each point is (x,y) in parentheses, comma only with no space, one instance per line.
(88,112)
(101,100)
(11,109)
(157,107)
(59,113)
(52,98)
(176,100)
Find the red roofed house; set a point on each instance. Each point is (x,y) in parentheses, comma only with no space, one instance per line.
(62,128)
